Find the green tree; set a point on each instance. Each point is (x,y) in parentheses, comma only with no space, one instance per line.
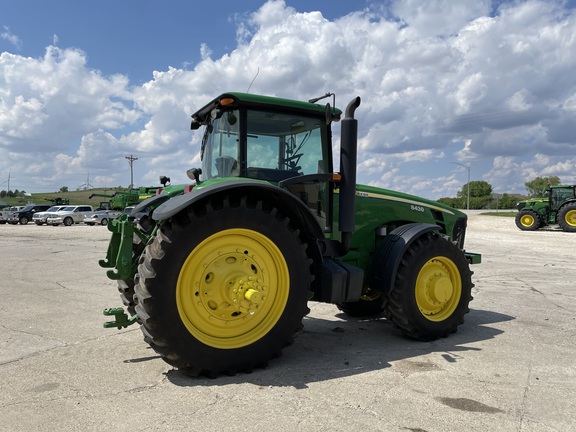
(507,202)
(480,194)
(478,189)
(64,189)
(452,202)
(538,186)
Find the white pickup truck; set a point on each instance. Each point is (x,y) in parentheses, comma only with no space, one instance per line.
(8,212)
(70,215)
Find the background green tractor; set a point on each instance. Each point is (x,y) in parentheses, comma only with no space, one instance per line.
(218,273)
(559,207)
(121,200)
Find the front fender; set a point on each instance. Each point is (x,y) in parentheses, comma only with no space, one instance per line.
(389,254)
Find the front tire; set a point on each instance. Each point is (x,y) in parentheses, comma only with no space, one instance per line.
(567,217)
(68,221)
(223,287)
(528,220)
(24,220)
(432,289)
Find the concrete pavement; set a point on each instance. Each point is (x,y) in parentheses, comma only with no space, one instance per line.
(510,367)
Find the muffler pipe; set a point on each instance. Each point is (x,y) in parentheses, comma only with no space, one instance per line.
(348,161)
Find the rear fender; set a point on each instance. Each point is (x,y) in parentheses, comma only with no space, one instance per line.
(289,205)
(389,254)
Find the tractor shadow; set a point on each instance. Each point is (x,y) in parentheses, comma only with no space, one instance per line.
(339,346)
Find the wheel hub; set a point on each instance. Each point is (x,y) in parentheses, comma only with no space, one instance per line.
(438,288)
(248,294)
(230,286)
(527,220)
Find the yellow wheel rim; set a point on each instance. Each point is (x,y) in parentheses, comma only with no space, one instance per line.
(527,220)
(438,289)
(570,218)
(232,288)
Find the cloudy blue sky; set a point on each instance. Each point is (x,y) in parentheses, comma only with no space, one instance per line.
(480,83)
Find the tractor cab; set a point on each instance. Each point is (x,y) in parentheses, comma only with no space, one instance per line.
(274,140)
(559,195)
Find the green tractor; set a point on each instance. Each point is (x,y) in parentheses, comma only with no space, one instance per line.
(219,273)
(121,200)
(559,207)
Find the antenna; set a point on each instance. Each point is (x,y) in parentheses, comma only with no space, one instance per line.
(253,79)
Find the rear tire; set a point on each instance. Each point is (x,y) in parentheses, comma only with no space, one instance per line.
(528,220)
(223,287)
(126,286)
(567,217)
(432,289)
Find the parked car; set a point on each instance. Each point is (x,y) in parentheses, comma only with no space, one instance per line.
(101,217)
(39,218)
(24,215)
(7,212)
(69,215)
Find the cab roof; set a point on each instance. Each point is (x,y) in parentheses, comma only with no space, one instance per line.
(248,100)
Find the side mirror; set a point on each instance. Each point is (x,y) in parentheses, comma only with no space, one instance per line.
(231,118)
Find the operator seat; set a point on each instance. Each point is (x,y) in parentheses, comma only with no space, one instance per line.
(227,166)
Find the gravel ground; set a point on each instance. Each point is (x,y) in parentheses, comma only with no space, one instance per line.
(510,367)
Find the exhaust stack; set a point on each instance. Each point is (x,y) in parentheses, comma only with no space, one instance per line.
(348,160)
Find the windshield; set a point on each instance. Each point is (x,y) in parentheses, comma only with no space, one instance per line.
(278,146)
(220,149)
(54,208)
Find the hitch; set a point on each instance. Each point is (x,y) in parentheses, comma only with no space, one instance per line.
(120,318)
(119,254)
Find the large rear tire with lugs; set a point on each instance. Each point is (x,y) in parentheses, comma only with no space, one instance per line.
(223,287)
(432,289)
(567,217)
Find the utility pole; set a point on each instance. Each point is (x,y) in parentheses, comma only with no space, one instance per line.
(468,198)
(131,160)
